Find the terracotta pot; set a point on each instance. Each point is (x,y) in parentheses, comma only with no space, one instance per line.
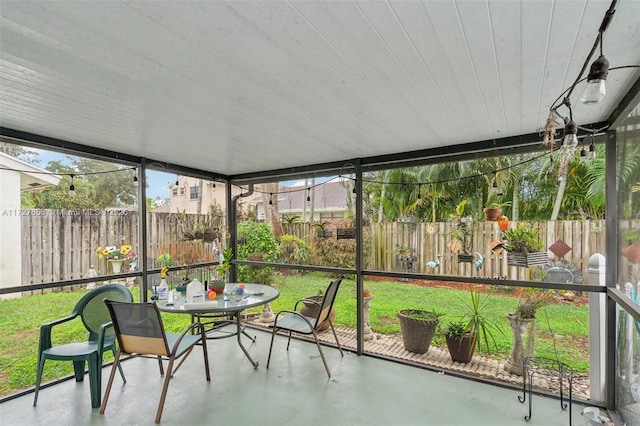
(462,348)
(492,214)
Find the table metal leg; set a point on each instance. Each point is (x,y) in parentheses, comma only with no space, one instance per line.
(239,332)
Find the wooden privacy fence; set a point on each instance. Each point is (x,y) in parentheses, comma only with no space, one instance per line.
(429,240)
(62,246)
(430,244)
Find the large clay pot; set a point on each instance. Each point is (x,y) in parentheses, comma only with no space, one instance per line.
(311,309)
(418,328)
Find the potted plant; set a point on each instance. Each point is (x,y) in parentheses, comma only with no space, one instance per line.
(418,328)
(474,325)
(524,245)
(460,341)
(221,272)
(523,326)
(462,230)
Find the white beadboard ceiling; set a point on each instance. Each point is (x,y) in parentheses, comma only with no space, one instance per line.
(239,87)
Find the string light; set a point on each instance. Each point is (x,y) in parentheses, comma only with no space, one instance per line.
(72,188)
(592,151)
(271,198)
(308,195)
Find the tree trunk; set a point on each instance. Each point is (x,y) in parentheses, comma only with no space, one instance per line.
(271,212)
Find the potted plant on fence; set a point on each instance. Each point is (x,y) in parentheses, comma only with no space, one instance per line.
(523,246)
(418,328)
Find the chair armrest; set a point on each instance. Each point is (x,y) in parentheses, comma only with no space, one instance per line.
(101,336)
(196,326)
(305,300)
(45,332)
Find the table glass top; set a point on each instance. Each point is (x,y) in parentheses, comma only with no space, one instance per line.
(254,295)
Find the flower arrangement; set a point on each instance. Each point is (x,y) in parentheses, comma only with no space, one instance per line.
(116,253)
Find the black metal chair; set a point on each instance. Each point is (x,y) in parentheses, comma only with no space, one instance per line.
(95,317)
(141,333)
(294,321)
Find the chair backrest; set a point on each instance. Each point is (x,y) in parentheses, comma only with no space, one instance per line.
(93,311)
(327,301)
(138,327)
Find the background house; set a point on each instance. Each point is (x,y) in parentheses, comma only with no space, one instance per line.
(16,176)
(322,202)
(197,196)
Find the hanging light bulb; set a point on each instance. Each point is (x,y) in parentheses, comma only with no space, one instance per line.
(570,139)
(72,188)
(595,89)
(214,184)
(135,180)
(419,192)
(308,195)
(271,198)
(583,153)
(592,151)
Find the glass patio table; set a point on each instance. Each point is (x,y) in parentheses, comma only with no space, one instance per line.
(227,307)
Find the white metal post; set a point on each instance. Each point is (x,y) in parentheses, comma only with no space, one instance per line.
(597,338)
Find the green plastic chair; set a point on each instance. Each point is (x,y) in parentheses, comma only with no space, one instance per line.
(96,319)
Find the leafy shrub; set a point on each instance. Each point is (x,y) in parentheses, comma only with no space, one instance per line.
(256,242)
(293,250)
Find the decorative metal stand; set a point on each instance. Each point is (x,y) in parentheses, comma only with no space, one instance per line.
(532,366)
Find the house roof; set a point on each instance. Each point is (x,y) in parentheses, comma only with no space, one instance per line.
(329,196)
(31,176)
(244,87)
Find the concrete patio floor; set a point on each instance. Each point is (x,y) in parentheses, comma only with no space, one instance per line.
(295,390)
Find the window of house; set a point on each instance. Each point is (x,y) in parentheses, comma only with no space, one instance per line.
(181,191)
(193,192)
(174,192)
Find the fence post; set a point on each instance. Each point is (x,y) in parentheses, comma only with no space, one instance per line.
(597,329)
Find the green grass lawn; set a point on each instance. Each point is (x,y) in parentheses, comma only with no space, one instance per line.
(567,324)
